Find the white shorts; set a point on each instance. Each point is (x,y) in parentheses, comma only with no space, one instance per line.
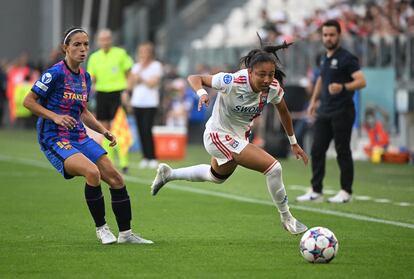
(220,145)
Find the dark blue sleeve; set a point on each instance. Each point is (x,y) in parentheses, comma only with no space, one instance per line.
(352,64)
(88,83)
(46,83)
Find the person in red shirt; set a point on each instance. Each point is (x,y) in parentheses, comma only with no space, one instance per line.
(377,134)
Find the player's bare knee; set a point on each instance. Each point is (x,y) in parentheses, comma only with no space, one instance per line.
(93,174)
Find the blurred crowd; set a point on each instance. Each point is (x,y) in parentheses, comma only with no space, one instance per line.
(375,19)
(178,104)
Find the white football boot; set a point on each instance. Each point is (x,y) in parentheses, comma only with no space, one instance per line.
(162,177)
(143,164)
(292,225)
(105,235)
(153,164)
(310,195)
(341,197)
(129,237)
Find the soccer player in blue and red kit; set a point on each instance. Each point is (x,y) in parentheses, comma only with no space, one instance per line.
(60,99)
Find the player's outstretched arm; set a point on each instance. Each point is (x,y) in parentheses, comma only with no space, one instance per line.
(196,82)
(287,124)
(89,120)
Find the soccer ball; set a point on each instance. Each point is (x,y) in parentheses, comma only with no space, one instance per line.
(319,245)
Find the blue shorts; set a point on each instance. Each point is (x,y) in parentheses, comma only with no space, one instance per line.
(59,151)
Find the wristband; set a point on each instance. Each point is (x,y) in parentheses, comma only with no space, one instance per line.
(343,87)
(201,92)
(292,140)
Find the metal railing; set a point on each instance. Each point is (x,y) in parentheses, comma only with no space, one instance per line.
(393,51)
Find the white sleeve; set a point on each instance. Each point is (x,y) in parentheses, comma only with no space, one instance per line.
(135,69)
(276,93)
(222,82)
(158,69)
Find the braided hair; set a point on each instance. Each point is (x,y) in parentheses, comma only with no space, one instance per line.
(266,53)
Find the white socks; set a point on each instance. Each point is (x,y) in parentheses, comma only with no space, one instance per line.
(273,179)
(196,173)
(277,189)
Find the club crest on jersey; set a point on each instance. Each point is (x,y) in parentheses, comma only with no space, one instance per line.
(334,64)
(227,79)
(233,143)
(46,78)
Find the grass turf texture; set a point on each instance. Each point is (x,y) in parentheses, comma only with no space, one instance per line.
(46,230)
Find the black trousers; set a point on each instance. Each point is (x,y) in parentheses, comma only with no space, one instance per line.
(338,127)
(144,118)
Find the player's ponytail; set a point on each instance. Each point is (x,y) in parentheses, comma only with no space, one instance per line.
(266,53)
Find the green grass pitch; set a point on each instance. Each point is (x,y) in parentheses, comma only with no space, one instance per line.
(200,230)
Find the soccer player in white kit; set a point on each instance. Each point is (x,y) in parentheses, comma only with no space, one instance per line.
(241,98)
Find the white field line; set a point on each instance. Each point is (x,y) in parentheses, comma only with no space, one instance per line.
(178,187)
(360,198)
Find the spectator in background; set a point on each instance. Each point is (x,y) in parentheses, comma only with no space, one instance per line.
(376,130)
(24,117)
(3,86)
(144,82)
(180,104)
(169,75)
(340,76)
(109,68)
(16,75)
(405,15)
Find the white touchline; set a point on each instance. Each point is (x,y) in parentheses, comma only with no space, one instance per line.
(360,198)
(174,186)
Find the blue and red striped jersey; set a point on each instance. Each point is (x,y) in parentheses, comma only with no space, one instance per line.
(66,93)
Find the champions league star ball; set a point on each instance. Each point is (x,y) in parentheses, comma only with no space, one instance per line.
(319,245)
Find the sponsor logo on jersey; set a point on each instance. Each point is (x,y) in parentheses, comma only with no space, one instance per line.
(46,78)
(41,86)
(247,109)
(73,96)
(227,79)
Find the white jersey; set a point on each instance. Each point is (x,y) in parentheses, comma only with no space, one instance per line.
(144,96)
(237,105)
